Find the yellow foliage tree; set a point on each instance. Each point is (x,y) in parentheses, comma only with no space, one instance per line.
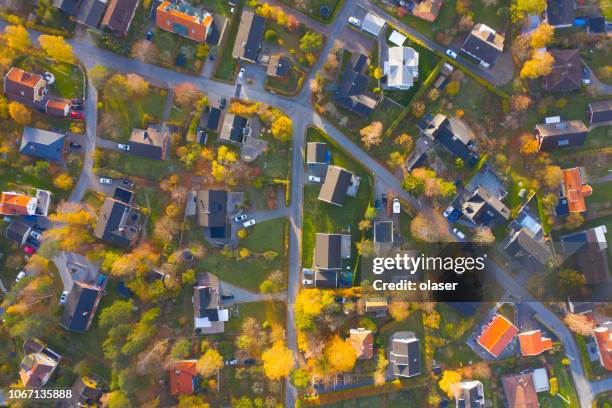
(449,378)
(539,65)
(217,171)
(210,362)
(554,386)
(63,181)
(244,253)
(529,145)
(282,128)
(340,355)
(431,320)
(277,361)
(242,233)
(19,113)
(542,36)
(56,47)
(17,37)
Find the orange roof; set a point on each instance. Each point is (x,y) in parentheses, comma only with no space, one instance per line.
(363,342)
(603,338)
(497,335)
(575,189)
(532,343)
(182,374)
(16,204)
(23,77)
(183,20)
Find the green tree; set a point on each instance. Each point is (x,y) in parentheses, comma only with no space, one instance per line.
(571,279)
(300,378)
(181,349)
(270,35)
(120,312)
(311,41)
(413,185)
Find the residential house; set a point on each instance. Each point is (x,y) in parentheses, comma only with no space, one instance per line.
(208,315)
(86,392)
(184,20)
(18,232)
(603,339)
(15,203)
(57,107)
(38,364)
(560,134)
(580,304)
(119,15)
(383,236)
(336,185)
(560,13)
(532,343)
(530,252)
(405,354)
(427,9)
(278,66)
(248,43)
(482,208)
(81,305)
(600,111)
(43,144)
(235,129)
(211,212)
(362,341)
(69,7)
(469,394)
(540,380)
(352,86)
(378,306)
(452,133)
(529,218)
(118,222)
(183,377)
(24,86)
(401,67)
(574,190)
(596,25)
(397,38)
(566,74)
(331,253)
(91,12)
(215,116)
(151,143)
(74,267)
(316,153)
(520,391)
(589,249)
(373,24)
(484,44)
(497,335)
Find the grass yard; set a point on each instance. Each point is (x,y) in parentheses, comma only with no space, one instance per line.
(69,79)
(250,272)
(214,6)
(271,312)
(226,65)
(312,8)
(276,163)
(494,14)
(320,216)
(118,116)
(599,138)
(566,385)
(398,399)
(118,164)
(456,330)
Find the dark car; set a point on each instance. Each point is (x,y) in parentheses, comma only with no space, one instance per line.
(149,35)
(222,103)
(384,198)
(127,183)
(76,101)
(211,57)
(227,297)
(77,108)
(377,205)
(75,146)
(249,361)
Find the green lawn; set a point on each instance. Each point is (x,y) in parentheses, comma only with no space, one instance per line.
(602,193)
(312,8)
(496,15)
(68,77)
(399,399)
(566,385)
(118,116)
(599,138)
(271,312)
(117,164)
(226,65)
(320,216)
(214,6)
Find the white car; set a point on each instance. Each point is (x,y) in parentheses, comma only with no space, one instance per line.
(64,297)
(241,217)
(314,179)
(106,180)
(35,235)
(231,362)
(307,282)
(241,74)
(20,276)
(124,147)
(451,53)
(248,223)
(397,208)
(458,233)
(354,21)
(448,211)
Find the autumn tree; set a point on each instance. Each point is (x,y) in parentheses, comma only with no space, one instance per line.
(452,88)
(483,235)
(340,355)
(371,135)
(529,145)
(56,47)
(423,229)
(300,378)
(309,304)
(365,247)
(431,320)
(63,181)
(553,176)
(209,363)
(98,75)
(137,87)
(520,8)
(277,361)
(19,113)
(140,260)
(164,229)
(380,376)
(181,349)
(120,312)
(580,324)
(311,41)
(395,160)
(282,128)
(539,65)
(574,220)
(448,380)
(17,37)
(399,310)
(542,35)
(519,103)
(570,279)
(418,109)
(186,94)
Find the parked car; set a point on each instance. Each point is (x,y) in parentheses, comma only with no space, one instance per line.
(458,233)
(149,35)
(211,57)
(28,249)
(77,115)
(383,197)
(307,282)
(20,276)
(106,180)
(227,297)
(231,362)
(127,183)
(75,146)
(77,108)
(241,217)
(241,74)
(377,205)
(448,211)
(35,235)
(76,101)
(451,53)
(201,136)
(354,21)
(314,179)
(64,297)
(397,208)
(124,147)
(249,361)
(249,223)
(222,103)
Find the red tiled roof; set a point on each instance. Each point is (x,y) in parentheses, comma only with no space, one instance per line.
(196,26)
(520,391)
(603,338)
(575,189)
(14,204)
(363,342)
(497,335)
(181,376)
(532,343)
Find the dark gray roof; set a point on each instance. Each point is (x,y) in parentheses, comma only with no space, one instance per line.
(316,152)
(278,65)
(17,232)
(91,13)
(600,111)
(250,36)
(118,222)
(588,252)
(151,143)
(526,249)
(328,251)
(70,7)
(211,208)
(326,279)
(214,118)
(119,15)
(483,45)
(482,208)
(233,128)
(335,186)
(571,133)
(453,134)
(405,354)
(596,24)
(42,143)
(80,307)
(566,74)
(206,303)
(352,86)
(383,231)
(560,12)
